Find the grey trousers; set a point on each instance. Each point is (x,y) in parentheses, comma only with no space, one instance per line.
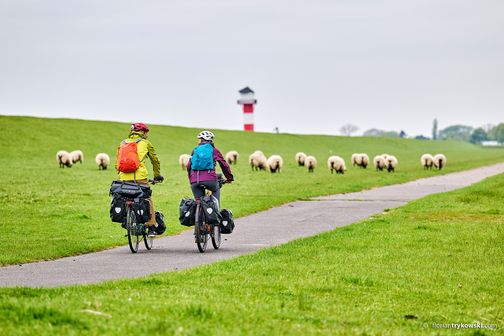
(198,189)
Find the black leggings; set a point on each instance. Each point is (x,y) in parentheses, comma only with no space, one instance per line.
(198,189)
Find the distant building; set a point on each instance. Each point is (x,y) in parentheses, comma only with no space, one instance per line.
(490,143)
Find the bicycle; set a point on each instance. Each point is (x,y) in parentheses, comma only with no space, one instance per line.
(136,232)
(203,230)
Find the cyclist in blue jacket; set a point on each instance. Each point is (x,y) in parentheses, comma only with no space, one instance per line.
(201,166)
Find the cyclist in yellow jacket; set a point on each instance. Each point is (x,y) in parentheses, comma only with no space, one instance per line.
(141,175)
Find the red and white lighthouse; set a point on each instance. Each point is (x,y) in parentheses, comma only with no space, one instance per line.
(248,101)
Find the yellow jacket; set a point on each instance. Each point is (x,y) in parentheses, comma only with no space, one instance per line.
(145,149)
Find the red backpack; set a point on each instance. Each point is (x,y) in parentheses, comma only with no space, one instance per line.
(127,158)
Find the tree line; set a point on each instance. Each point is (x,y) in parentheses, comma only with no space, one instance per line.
(454,132)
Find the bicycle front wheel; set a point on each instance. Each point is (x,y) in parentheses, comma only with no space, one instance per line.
(149,241)
(216,236)
(132,228)
(200,230)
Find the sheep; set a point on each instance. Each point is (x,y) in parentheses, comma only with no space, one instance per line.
(384,156)
(184,160)
(102,160)
(274,163)
(391,163)
(439,161)
(64,159)
(258,160)
(77,156)
(300,158)
(360,160)
(232,157)
(337,164)
(310,163)
(427,161)
(379,162)
(356,159)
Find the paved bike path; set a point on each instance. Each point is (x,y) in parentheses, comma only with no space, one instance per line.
(264,229)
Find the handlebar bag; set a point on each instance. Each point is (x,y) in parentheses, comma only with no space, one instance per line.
(227,223)
(211,210)
(187,210)
(117,209)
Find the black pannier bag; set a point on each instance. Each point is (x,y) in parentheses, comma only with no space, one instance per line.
(160,224)
(142,210)
(211,210)
(129,189)
(227,224)
(118,209)
(187,209)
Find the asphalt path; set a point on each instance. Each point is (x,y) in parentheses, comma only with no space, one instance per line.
(261,230)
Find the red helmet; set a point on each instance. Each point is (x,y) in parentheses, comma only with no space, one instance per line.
(140,127)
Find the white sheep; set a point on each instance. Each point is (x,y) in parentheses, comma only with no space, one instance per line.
(102,160)
(184,160)
(310,163)
(384,156)
(439,161)
(232,157)
(360,159)
(379,162)
(275,163)
(77,156)
(356,159)
(337,164)
(258,160)
(300,158)
(64,159)
(427,161)
(391,163)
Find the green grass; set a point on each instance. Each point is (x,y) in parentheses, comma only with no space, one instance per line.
(436,260)
(48,212)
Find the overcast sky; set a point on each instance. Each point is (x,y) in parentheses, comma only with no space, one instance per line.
(314,65)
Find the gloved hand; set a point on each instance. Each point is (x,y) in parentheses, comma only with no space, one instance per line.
(159,178)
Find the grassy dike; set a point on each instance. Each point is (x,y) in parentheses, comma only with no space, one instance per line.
(48,212)
(435,260)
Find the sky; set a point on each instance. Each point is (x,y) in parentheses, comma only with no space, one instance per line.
(314,65)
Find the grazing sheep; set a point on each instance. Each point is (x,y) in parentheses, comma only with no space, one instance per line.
(232,157)
(337,164)
(356,159)
(102,160)
(184,160)
(77,156)
(427,161)
(275,163)
(64,159)
(360,160)
(310,163)
(300,158)
(379,162)
(391,163)
(258,160)
(439,161)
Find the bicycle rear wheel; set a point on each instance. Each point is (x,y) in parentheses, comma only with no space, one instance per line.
(200,231)
(132,228)
(216,236)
